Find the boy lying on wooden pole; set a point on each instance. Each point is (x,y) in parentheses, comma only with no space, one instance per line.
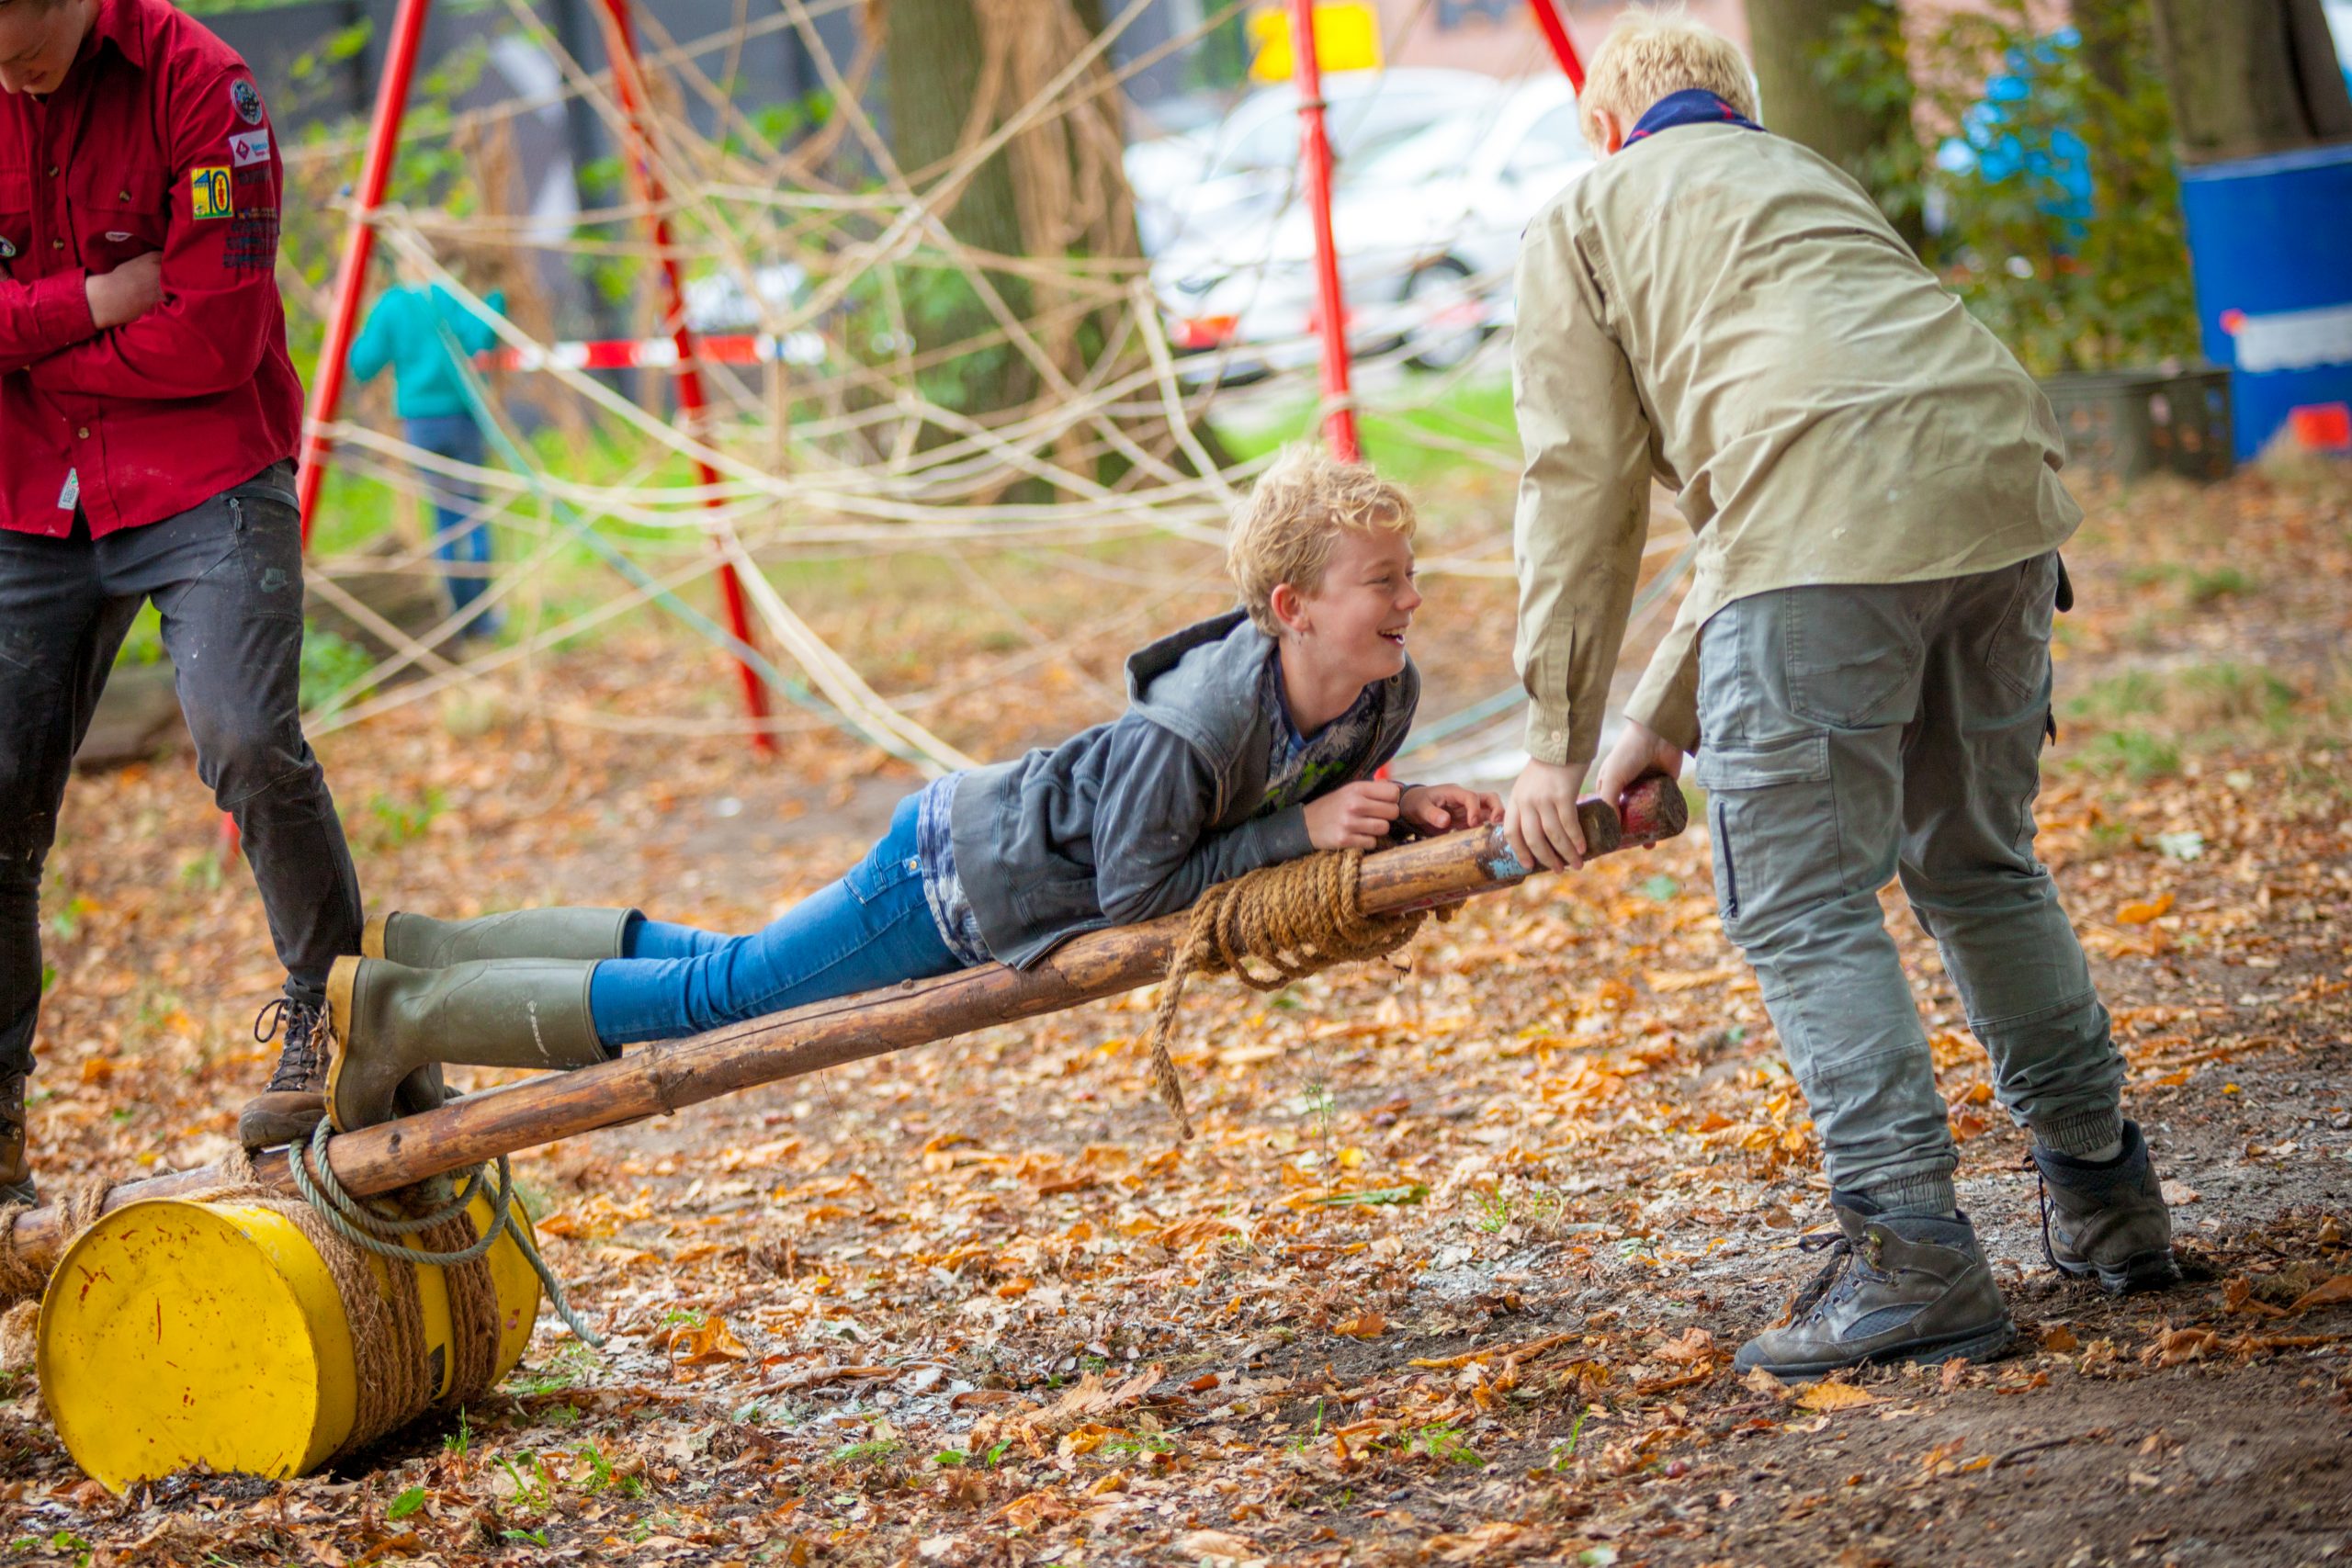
(664,1077)
(1862,665)
(1250,738)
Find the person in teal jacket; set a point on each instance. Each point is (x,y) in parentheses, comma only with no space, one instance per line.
(406,331)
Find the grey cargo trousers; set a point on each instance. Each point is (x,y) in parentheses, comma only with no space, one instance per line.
(1854,734)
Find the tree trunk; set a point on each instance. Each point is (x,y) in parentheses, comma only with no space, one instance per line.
(934,54)
(2249,77)
(1787,40)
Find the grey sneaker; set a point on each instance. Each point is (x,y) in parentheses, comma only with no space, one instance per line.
(1897,1288)
(2106,1218)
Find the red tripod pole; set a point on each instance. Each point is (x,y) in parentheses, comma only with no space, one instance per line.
(1314,158)
(1556,33)
(629,86)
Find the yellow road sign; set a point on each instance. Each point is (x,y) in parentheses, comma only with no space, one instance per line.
(1347,37)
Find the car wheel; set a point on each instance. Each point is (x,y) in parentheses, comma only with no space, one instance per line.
(1448,315)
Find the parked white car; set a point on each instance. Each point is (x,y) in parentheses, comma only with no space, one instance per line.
(1427,230)
(1246,165)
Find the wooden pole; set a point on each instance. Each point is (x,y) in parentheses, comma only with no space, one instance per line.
(657,1080)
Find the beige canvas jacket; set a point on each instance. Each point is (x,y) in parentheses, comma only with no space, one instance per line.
(1727,310)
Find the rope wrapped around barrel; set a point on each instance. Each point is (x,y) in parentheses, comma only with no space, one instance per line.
(1268,928)
(370,1228)
(398,1378)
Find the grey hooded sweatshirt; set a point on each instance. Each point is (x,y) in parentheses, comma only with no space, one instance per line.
(1138,817)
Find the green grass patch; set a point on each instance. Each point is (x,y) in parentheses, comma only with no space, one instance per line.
(1412,441)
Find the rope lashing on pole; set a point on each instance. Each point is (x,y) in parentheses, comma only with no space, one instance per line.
(365,1226)
(1272,926)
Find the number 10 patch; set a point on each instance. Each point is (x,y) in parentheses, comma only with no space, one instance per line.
(209,193)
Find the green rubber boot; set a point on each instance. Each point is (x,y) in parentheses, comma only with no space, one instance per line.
(421,941)
(389,1021)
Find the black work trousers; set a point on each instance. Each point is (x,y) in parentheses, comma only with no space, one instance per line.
(227,578)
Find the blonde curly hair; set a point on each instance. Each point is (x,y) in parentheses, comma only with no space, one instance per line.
(1650,54)
(1295,513)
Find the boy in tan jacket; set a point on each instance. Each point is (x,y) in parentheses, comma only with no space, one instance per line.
(1862,664)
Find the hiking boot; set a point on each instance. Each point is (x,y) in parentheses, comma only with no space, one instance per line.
(287,1110)
(2106,1218)
(422,943)
(390,1021)
(1897,1288)
(15,1162)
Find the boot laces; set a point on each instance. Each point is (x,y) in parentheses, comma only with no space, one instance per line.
(300,1060)
(1844,1272)
(1831,1272)
(2041,1195)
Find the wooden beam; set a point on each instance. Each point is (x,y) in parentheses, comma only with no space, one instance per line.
(657,1080)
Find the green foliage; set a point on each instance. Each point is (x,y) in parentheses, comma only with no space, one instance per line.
(144,643)
(573,1364)
(392,822)
(2064,294)
(332,667)
(407,1503)
(873,1451)
(1447,1445)
(1411,1193)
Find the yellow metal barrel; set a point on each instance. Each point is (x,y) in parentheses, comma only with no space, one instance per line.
(176,1333)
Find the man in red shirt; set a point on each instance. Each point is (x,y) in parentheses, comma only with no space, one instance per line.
(148,421)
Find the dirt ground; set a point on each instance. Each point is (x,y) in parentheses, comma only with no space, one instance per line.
(1453,1273)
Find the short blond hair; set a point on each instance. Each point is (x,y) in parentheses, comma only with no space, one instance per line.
(1295,513)
(1649,54)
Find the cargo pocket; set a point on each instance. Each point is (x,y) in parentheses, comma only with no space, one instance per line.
(1772,815)
(2018,653)
(266,551)
(1851,655)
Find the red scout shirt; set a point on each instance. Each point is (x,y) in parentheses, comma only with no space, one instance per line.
(156,141)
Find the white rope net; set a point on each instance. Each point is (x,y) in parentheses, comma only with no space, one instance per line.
(854,431)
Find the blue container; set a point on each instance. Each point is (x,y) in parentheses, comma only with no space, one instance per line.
(2270,245)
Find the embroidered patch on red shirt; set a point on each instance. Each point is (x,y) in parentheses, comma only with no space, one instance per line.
(209,193)
(252,240)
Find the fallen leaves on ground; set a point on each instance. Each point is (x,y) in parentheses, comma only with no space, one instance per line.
(1456,1267)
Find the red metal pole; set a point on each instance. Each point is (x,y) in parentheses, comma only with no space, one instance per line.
(351,277)
(1556,33)
(629,86)
(1314,158)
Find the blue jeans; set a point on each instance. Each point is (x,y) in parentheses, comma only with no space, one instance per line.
(1852,734)
(458,438)
(873,928)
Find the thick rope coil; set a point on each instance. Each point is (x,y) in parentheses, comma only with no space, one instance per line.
(1272,926)
(368,1227)
(81,1201)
